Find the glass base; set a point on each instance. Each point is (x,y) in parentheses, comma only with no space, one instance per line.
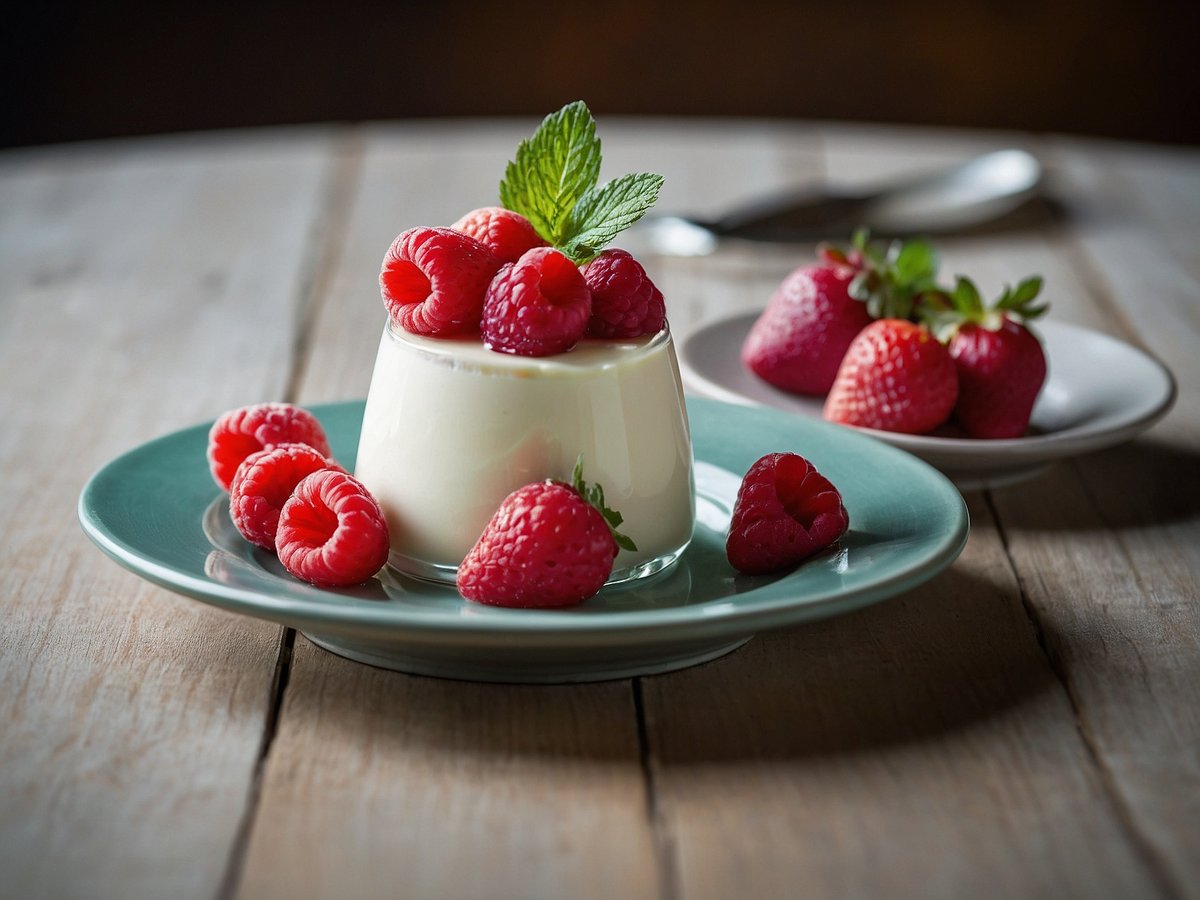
(442,574)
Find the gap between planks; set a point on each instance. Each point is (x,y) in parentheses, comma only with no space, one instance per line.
(326,242)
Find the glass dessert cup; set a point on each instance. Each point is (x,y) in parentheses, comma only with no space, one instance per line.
(451,428)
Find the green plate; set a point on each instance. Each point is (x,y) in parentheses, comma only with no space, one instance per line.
(156,511)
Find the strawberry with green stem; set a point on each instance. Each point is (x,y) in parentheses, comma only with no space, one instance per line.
(798,342)
(1000,362)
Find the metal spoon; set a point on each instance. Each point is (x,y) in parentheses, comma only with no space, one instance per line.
(974,192)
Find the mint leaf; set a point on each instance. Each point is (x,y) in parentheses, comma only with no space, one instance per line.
(604,212)
(552,169)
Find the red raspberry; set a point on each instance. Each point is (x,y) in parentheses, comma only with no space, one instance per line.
(263,484)
(537,306)
(331,531)
(785,511)
(433,281)
(625,302)
(545,547)
(506,233)
(240,432)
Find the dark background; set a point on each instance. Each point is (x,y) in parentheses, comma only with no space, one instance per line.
(1123,69)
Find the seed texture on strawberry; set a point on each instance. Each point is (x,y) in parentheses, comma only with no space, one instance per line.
(798,342)
(248,429)
(800,338)
(263,484)
(550,544)
(433,281)
(785,511)
(896,377)
(537,306)
(625,302)
(1001,364)
(331,531)
(506,233)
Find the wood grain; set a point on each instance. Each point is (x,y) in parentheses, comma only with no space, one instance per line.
(144,287)
(1023,725)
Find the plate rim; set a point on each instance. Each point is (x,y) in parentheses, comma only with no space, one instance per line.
(1031,449)
(708,617)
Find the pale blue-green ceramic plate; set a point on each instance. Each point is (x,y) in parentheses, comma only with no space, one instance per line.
(156,511)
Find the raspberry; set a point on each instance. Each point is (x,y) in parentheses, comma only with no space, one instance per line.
(537,306)
(263,484)
(625,302)
(506,233)
(785,511)
(331,531)
(240,432)
(545,547)
(433,281)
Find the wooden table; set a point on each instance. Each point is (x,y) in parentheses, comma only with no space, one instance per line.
(1025,725)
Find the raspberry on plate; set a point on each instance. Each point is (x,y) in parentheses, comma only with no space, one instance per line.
(264,482)
(331,531)
(545,547)
(785,512)
(240,432)
(625,302)
(433,280)
(537,306)
(506,233)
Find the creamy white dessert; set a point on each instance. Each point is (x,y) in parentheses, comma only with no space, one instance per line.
(451,428)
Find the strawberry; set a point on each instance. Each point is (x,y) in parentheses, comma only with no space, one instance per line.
(785,511)
(550,544)
(895,377)
(1001,365)
(800,339)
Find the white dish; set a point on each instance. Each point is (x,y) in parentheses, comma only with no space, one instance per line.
(1099,392)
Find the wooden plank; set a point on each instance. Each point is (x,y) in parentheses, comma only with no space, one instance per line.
(145,286)
(920,748)
(380,783)
(836,758)
(1110,560)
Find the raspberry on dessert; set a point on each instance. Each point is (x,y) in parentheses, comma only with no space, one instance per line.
(785,511)
(331,531)
(545,547)
(625,302)
(240,432)
(264,482)
(537,306)
(506,233)
(433,281)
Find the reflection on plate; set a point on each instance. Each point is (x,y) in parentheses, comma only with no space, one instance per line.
(156,511)
(1099,392)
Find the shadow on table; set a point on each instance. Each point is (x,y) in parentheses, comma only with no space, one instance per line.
(1137,485)
(937,659)
(950,656)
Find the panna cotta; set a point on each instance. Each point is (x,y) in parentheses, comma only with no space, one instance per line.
(452,427)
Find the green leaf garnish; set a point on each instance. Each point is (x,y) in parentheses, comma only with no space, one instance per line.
(552,182)
(594,495)
(604,212)
(553,169)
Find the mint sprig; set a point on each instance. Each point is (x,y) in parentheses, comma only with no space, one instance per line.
(553,182)
(594,495)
